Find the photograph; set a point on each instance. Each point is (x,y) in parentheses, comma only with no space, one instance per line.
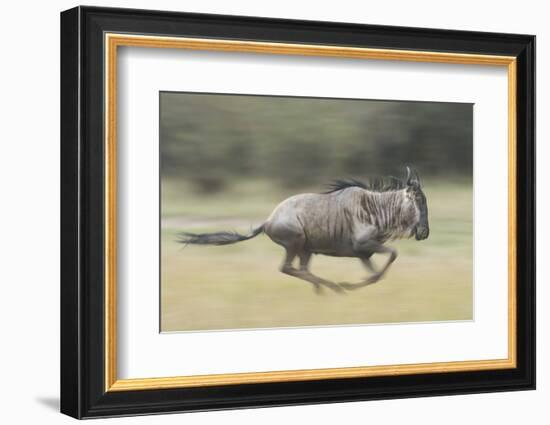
(287,210)
(282,212)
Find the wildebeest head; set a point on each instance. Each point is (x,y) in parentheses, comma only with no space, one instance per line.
(416,195)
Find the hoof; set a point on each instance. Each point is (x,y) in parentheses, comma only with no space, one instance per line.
(373,279)
(318,290)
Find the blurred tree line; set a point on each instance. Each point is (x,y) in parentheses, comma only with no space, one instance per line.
(210,140)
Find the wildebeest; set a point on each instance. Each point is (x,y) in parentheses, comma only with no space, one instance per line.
(351,219)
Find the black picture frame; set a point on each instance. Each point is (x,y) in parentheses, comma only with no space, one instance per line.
(83,392)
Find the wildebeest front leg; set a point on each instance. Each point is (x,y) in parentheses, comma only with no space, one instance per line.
(381,249)
(368,263)
(365,249)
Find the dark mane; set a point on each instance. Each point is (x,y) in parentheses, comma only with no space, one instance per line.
(374,184)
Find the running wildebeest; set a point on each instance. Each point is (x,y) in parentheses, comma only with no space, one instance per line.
(351,219)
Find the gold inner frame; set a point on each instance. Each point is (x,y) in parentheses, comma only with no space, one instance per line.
(113,41)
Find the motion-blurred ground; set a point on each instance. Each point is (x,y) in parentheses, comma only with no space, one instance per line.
(240,286)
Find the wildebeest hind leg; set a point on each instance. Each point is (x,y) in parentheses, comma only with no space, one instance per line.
(310,277)
(287,267)
(303,273)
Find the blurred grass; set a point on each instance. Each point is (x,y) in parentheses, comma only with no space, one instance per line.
(240,286)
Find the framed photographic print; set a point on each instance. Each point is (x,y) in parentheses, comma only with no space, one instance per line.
(261,212)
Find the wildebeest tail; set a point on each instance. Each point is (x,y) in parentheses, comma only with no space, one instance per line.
(217,238)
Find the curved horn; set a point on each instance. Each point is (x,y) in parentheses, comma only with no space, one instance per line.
(417,177)
(408,179)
